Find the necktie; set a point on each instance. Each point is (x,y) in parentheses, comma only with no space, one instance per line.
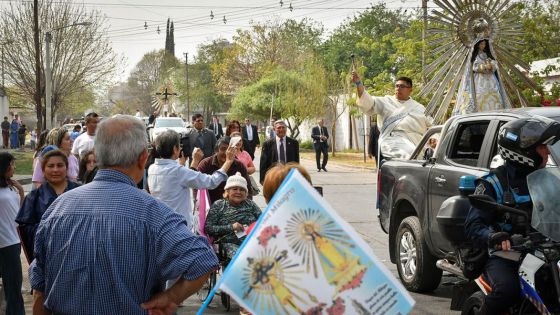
(321,133)
(282,153)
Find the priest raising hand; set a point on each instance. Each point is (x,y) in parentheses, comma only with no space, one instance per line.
(401,119)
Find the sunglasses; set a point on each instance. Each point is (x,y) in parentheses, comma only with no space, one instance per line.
(401,86)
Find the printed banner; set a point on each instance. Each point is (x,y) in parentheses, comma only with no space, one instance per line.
(302,258)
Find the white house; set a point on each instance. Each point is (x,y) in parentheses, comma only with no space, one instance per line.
(549,70)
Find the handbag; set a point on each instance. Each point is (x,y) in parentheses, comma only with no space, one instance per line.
(254,187)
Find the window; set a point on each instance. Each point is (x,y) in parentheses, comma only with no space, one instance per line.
(468,143)
(429,147)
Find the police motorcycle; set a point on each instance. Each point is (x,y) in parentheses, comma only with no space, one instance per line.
(538,251)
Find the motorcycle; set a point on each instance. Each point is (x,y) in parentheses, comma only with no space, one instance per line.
(538,251)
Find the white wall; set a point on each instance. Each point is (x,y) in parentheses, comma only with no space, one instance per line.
(4,108)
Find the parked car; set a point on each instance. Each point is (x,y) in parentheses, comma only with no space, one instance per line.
(411,192)
(165,123)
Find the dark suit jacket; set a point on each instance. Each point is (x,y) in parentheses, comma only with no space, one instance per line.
(255,140)
(373,139)
(269,154)
(219,133)
(316,135)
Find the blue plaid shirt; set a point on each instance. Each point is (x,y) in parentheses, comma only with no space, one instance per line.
(107,247)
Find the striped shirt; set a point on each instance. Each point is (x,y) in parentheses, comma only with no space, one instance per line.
(107,247)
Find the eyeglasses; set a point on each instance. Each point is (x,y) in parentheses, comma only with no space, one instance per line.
(401,86)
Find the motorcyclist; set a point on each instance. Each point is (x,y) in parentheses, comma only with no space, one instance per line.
(524,146)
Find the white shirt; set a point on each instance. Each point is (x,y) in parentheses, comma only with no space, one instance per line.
(83,143)
(138,114)
(412,127)
(249,132)
(278,147)
(9,207)
(171,183)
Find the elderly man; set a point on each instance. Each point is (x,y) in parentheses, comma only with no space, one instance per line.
(213,163)
(401,119)
(84,142)
(200,137)
(280,149)
(171,182)
(108,247)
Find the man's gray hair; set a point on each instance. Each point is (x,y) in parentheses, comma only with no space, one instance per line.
(119,141)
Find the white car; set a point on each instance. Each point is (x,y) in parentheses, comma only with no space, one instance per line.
(165,123)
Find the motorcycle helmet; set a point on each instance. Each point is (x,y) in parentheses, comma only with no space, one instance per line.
(518,139)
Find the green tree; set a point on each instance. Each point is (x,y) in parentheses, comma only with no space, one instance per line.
(285,93)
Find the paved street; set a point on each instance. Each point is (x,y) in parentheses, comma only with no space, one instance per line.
(351,192)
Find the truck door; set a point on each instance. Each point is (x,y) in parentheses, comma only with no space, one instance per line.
(462,157)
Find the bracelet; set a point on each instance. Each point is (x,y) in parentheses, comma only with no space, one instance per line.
(358,83)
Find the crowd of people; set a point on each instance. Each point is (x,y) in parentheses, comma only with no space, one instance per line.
(14,133)
(86,216)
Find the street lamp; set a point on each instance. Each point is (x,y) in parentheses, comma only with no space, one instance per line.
(48,71)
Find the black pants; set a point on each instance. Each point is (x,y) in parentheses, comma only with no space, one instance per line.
(10,270)
(502,276)
(323,148)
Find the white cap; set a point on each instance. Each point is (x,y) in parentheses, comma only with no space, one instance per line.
(236,181)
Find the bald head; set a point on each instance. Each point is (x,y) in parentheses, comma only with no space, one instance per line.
(119,142)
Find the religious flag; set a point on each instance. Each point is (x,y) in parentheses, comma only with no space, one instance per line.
(303,258)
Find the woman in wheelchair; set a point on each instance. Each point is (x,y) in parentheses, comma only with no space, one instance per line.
(228,218)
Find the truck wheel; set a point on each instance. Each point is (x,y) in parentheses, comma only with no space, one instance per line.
(473,304)
(416,265)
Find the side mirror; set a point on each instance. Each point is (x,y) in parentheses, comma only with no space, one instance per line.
(431,160)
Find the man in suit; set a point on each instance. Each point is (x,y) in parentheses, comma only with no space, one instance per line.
(251,137)
(280,149)
(320,137)
(200,137)
(216,127)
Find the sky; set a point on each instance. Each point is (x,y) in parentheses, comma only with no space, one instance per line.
(194,25)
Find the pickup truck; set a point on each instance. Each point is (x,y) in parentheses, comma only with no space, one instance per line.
(411,192)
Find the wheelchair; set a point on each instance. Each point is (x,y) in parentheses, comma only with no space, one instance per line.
(204,292)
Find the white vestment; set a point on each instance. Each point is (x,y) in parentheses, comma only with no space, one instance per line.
(411,128)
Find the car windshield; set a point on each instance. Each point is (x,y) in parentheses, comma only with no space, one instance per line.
(162,122)
(543,185)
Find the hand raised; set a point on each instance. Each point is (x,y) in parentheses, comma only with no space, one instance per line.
(355,77)
(197,154)
(231,153)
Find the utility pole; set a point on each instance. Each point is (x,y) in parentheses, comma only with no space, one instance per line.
(188,86)
(48,80)
(425,16)
(37,96)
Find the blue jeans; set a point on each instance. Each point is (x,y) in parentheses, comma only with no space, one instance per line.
(10,270)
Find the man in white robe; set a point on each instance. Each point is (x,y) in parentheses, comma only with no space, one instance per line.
(400,118)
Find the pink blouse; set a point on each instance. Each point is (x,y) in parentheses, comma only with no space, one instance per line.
(71,173)
(245,158)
